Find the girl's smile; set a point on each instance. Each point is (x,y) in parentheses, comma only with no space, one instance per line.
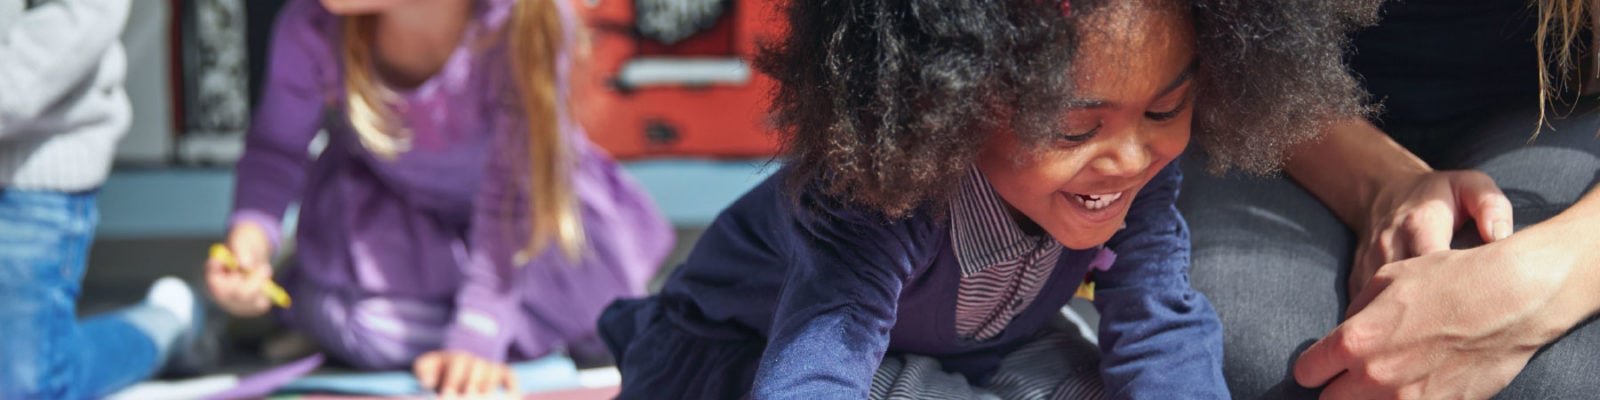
(1130,118)
(1099,208)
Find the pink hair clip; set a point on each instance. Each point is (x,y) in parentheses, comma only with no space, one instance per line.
(1066,8)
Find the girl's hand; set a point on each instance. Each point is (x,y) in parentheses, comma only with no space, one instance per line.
(455,374)
(1418,217)
(1450,324)
(239,291)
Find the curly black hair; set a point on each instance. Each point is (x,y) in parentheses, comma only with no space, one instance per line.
(884,103)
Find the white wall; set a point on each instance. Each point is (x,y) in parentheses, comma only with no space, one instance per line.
(149,84)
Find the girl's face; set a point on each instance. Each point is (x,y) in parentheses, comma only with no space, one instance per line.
(1131,118)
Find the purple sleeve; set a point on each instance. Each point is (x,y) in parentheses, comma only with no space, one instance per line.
(272,170)
(485,303)
(488,300)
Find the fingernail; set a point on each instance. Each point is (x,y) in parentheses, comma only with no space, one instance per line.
(1501,230)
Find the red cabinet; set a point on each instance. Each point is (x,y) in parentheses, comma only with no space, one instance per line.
(680,83)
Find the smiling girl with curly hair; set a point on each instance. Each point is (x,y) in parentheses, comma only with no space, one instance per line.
(955,169)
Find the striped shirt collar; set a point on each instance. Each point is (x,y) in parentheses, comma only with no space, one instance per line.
(983,230)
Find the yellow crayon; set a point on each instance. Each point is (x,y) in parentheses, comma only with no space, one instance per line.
(274,292)
(1086,290)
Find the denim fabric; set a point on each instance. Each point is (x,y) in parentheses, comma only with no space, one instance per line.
(1274,260)
(45,352)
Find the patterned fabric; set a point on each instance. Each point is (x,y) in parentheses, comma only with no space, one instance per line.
(1062,365)
(1002,267)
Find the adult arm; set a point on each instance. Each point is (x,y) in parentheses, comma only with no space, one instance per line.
(1463,323)
(1435,322)
(1398,206)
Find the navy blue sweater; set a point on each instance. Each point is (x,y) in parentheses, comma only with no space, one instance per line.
(832,289)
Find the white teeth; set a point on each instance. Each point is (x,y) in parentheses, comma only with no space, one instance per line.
(1095,202)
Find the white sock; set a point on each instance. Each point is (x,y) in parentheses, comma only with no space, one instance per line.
(174,296)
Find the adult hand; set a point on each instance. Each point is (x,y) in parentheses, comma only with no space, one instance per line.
(455,374)
(1449,324)
(239,291)
(1418,216)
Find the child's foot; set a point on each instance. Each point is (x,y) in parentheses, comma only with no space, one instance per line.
(174,296)
(196,348)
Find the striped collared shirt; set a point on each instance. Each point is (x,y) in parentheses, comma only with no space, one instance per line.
(1002,267)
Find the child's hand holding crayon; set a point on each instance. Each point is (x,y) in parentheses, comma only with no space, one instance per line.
(239,276)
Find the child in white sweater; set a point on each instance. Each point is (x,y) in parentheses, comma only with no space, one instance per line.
(62,109)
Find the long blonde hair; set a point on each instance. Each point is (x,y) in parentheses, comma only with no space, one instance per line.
(533,37)
(1560,24)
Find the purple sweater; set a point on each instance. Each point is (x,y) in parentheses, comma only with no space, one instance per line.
(442,220)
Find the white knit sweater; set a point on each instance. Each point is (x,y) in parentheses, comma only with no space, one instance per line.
(62,103)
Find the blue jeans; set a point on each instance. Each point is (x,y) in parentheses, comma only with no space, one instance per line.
(45,352)
(1274,260)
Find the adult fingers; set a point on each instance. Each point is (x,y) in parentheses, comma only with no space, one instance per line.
(1351,386)
(1483,200)
(1360,300)
(1323,361)
(1368,259)
(1425,230)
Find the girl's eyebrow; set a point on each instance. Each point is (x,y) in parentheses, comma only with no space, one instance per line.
(1087,103)
(1183,77)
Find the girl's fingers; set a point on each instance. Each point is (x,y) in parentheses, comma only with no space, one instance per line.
(216,279)
(427,369)
(241,294)
(479,378)
(259,305)
(510,381)
(456,373)
(244,288)
(500,378)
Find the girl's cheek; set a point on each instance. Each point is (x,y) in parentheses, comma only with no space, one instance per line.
(1171,144)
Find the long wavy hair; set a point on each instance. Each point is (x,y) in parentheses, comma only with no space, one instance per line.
(1561,26)
(533,37)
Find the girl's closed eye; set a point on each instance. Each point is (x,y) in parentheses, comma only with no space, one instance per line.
(1080,135)
(1175,103)
(1082,123)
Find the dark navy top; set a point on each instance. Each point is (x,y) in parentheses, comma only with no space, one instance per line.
(1429,61)
(832,289)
